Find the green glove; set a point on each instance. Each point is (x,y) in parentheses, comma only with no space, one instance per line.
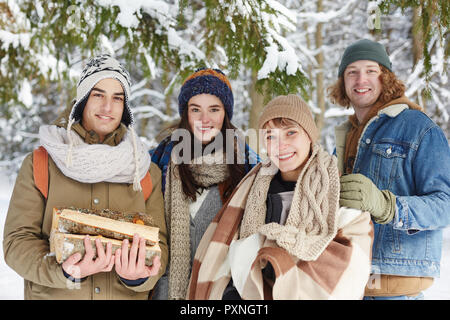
(359,192)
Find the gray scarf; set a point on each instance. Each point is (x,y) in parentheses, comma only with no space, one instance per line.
(207,171)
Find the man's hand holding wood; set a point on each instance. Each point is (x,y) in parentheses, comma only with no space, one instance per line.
(130,263)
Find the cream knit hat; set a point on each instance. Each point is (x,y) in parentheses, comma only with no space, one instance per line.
(291,107)
(98,68)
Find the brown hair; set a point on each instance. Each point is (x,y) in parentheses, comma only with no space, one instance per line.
(392,88)
(282,123)
(286,122)
(236,171)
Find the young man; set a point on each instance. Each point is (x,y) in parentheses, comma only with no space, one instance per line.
(95,161)
(395,163)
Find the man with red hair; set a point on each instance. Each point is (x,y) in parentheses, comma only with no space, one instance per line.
(383,153)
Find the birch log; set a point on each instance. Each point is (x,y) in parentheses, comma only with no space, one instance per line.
(67,244)
(83,223)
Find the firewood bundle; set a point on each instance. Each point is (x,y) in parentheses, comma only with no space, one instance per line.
(71,225)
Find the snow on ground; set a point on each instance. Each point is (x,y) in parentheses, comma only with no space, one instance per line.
(11,284)
(440,290)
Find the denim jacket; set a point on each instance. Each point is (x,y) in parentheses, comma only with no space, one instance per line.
(404,151)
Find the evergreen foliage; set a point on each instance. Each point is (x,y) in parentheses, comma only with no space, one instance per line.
(267,45)
(434,18)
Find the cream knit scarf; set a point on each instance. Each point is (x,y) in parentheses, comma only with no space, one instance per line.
(128,162)
(207,171)
(311,223)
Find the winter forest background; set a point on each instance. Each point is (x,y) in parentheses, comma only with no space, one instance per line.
(266,47)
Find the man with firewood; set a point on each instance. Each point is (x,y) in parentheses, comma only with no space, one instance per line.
(92,159)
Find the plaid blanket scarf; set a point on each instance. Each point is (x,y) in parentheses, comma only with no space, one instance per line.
(339,271)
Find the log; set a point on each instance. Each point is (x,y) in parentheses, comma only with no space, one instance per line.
(77,222)
(134,217)
(67,244)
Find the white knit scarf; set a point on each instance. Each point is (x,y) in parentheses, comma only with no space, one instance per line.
(127,162)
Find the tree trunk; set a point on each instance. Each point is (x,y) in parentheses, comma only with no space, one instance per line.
(257,105)
(143,128)
(169,111)
(308,45)
(417,37)
(162,133)
(417,49)
(167,101)
(320,94)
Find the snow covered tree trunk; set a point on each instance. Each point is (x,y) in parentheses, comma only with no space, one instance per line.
(257,100)
(417,49)
(167,101)
(319,78)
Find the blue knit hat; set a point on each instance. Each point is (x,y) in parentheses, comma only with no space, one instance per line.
(211,81)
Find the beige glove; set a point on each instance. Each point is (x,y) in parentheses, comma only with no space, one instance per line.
(359,192)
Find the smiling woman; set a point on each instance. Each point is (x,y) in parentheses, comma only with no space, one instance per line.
(288,146)
(195,189)
(205,116)
(284,215)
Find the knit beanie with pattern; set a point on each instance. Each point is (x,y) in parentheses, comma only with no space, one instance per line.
(98,68)
(364,50)
(211,81)
(290,107)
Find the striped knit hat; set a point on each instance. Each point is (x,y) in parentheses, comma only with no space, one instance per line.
(99,68)
(211,81)
(290,107)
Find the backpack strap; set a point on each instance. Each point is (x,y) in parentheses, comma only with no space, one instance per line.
(146,184)
(40,174)
(40,170)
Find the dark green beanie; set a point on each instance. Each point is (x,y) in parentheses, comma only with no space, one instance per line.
(364,50)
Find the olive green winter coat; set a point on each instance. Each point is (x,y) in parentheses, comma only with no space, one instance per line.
(27,228)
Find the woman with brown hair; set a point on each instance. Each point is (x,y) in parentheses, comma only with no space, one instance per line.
(201,164)
(282,235)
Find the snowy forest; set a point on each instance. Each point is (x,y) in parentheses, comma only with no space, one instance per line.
(266,47)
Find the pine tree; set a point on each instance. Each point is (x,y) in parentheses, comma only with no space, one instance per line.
(266,47)
(43,44)
(433,18)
